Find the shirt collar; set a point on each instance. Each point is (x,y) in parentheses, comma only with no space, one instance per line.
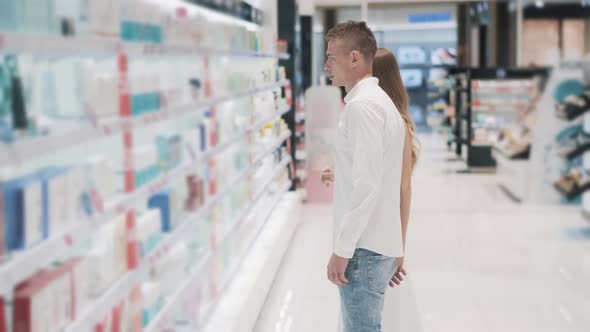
(358,86)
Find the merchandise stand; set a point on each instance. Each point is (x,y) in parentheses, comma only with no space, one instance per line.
(236,174)
(460,121)
(545,165)
(486,101)
(556,154)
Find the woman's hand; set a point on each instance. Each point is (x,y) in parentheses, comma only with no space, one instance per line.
(327,176)
(399,274)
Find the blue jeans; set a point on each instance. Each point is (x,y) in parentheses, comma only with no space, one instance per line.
(361,300)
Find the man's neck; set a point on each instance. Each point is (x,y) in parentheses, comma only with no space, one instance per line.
(349,87)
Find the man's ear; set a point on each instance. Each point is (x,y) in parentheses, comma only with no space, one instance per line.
(356,57)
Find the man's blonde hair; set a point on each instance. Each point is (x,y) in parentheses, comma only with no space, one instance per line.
(357,36)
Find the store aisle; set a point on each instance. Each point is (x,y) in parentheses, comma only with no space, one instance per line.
(476,263)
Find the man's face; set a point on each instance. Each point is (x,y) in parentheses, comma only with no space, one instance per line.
(338,63)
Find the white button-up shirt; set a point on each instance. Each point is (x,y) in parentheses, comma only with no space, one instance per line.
(367,173)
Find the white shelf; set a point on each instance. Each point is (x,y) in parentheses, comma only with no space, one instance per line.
(38,43)
(176,298)
(132,278)
(241,134)
(99,308)
(16,153)
(243,299)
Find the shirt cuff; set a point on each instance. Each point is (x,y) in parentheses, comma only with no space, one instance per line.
(344,252)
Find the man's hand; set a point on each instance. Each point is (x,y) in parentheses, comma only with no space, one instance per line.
(327,176)
(399,274)
(336,268)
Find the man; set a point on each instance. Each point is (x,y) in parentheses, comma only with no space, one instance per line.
(367,253)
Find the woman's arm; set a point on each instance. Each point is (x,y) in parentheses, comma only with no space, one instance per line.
(406,186)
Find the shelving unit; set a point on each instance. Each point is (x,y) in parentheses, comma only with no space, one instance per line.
(487,101)
(250,211)
(23,265)
(125,285)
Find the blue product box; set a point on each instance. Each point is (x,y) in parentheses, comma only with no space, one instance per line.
(162,202)
(203,134)
(3,247)
(25,215)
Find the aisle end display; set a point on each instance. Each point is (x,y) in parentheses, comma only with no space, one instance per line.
(570,140)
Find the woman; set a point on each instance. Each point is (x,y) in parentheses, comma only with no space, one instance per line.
(386,69)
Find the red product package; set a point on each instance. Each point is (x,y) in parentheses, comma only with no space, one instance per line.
(28,303)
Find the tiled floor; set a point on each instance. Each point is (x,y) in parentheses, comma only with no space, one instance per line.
(476,263)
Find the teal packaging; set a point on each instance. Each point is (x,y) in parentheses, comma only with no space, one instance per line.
(127,30)
(5,101)
(9,12)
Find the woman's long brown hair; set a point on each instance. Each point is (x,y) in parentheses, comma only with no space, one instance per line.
(386,69)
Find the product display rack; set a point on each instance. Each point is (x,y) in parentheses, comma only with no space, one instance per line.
(126,284)
(478,122)
(459,120)
(125,291)
(571,124)
(23,265)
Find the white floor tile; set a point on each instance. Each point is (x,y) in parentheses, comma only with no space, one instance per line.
(477,262)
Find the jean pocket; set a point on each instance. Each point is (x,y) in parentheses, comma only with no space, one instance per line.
(380,270)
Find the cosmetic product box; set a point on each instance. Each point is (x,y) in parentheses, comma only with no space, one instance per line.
(45,301)
(169,202)
(148,231)
(24,215)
